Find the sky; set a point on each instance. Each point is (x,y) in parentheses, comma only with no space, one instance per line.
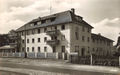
(103,15)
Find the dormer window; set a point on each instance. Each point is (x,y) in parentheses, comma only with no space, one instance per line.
(43,21)
(31,24)
(52,19)
(38,23)
(48,21)
(35,23)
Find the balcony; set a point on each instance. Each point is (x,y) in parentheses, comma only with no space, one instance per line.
(53,32)
(53,42)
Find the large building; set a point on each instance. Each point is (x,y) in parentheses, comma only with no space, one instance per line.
(63,32)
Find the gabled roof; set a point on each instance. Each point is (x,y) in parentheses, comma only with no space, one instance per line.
(59,18)
(100,37)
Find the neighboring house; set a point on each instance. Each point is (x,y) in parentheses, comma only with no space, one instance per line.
(8,42)
(101,45)
(117,47)
(63,32)
(4,39)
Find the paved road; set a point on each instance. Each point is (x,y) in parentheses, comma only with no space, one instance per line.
(10,73)
(51,69)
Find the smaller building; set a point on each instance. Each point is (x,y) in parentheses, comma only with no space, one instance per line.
(7,49)
(101,45)
(8,42)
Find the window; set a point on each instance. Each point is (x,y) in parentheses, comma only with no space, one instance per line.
(88,39)
(33,31)
(33,40)
(22,33)
(23,41)
(45,39)
(45,49)
(88,49)
(52,19)
(55,27)
(76,48)
(38,39)
(27,40)
(43,21)
(23,49)
(27,49)
(38,30)
(83,28)
(63,27)
(32,49)
(63,37)
(63,49)
(27,32)
(35,23)
(38,49)
(88,30)
(76,36)
(38,23)
(54,49)
(83,38)
(45,29)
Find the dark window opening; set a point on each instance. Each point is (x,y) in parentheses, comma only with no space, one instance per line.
(45,39)
(32,49)
(43,21)
(76,35)
(38,39)
(63,49)
(54,49)
(27,40)
(27,49)
(45,29)
(38,49)
(33,40)
(83,28)
(83,38)
(35,23)
(38,30)
(63,27)
(45,49)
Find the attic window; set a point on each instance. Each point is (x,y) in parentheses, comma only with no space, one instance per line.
(31,24)
(43,21)
(52,19)
(35,23)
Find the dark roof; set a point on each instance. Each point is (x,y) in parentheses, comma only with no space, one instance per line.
(100,37)
(59,18)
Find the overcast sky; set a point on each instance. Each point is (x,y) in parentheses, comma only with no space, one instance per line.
(103,15)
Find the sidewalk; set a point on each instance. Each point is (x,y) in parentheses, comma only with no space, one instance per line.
(61,64)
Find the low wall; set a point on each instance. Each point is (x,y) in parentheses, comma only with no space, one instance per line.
(19,55)
(31,55)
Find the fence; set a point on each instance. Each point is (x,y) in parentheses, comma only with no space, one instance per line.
(36,55)
(95,60)
(20,55)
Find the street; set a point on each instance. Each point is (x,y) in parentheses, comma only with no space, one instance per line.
(50,70)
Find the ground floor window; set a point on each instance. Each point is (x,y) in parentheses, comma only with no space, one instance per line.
(38,49)
(45,49)
(32,49)
(83,52)
(54,49)
(76,48)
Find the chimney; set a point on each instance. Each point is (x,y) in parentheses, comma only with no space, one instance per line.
(99,34)
(73,10)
